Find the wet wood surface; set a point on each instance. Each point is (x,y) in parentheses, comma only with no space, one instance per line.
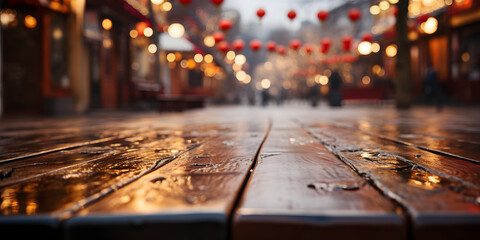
(243,173)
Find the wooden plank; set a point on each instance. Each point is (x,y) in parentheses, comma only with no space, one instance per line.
(299,190)
(440,193)
(42,202)
(190,198)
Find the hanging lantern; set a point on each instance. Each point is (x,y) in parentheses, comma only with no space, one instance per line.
(281,50)
(347,43)
(354,14)
(308,48)
(323,16)
(325,45)
(255,45)
(238,45)
(260,13)
(218,36)
(223,46)
(270,46)
(225,24)
(292,14)
(295,44)
(217,3)
(367,37)
(185,2)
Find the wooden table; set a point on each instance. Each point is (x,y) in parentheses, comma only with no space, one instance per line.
(243,173)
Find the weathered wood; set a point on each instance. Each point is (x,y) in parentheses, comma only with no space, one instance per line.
(190,198)
(299,190)
(440,193)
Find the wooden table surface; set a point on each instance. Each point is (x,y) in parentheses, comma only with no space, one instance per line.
(290,172)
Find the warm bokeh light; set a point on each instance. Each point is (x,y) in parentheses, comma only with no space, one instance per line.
(375,10)
(178,56)
(30,21)
(268,66)
(240,59)
(230,55)
(157,2)
(241,75)
(107,43)
(391,50)
(133,33)
(465,57)
(430,26)
(366,80)
(384,5)
(191,64)
(323,80)
(176,30)
(171,57)
(209,41)
(364,48)
(198,58)
(247,79)
(166,6)
(208,58)
(152,48)
(57,34)
(375,47)
(265,83)
(184,63)
(393,1)
(236,67)
(148,32)
(107,24)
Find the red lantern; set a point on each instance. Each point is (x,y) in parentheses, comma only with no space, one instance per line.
(238,45)
(347,43)
(292,14)
(308,48)
(322,16)
(423,18)
(354,14)
(223,46)
(260,13)
(326,43)
(270,46)
(185,2)
(217,2)
(225,24)
(295,44)
(395,10)
(281,50)
(255,44)
(367,37)
(218,36)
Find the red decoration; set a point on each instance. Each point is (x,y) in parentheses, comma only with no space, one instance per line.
(238,45)
(270,46)
(292,14)
(308,48)
(185,2)
(223,46)
(322,16)
(347,43)
(423,18)
(255,44)
(367,37)
(281,50)
(295,44)
(218,36)
(260,13)
(217,2)
(325,45)
(354,14)
(395,10)
(225,24)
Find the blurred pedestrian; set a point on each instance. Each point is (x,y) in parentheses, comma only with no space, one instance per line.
(432,88)
(334,84)
(265,97)
(313,95)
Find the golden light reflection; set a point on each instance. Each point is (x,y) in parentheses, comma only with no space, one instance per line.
(375,10)
(391,50)
(265,83)
(240,59)
(166,6)
(430,26)
(171,57)
(148,32)
(133,33)
(30,21)
(384,5)
(366,80)
(31,208)
(365,48)
(208,58)
(209,41)
(191,64)
(198,58)
(107,24)
(375,47)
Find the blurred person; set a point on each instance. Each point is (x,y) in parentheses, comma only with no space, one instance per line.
(265,97)
(432,88)
(313,95)
(334,84)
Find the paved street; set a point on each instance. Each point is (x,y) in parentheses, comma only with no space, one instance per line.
(369,172)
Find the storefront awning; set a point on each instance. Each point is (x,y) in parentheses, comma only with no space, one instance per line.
(169,43)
